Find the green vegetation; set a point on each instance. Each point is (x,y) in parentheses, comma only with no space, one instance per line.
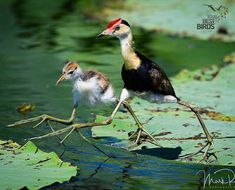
(28,166)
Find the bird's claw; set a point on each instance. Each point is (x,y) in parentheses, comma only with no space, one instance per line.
(137,136)
(141,136)
(43,118)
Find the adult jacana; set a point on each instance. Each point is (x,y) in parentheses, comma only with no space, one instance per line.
(144,78)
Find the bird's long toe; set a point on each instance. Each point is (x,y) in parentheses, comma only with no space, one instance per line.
(205,152)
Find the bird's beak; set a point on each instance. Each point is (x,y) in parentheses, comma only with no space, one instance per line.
(105,33)
(60,79)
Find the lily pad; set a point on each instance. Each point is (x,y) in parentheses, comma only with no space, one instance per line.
(171,122)
(28,166)
(202,74)
(177,17)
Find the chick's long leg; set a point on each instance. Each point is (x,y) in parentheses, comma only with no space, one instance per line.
(139,125)
(208,136)
(43,118)
(77,126)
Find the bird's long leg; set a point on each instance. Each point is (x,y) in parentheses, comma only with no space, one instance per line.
(79,125)
(208,136)
(139,125)
(43,118)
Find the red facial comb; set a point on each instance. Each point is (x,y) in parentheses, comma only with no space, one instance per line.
(114,22)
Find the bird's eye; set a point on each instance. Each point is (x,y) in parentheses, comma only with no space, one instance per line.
(117,28)
(70,72)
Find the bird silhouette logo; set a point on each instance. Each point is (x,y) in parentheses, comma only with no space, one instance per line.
(221,10)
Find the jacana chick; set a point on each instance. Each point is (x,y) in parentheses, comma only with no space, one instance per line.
(144,78)
(89,87)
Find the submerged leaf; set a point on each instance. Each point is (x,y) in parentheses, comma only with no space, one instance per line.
(25,108)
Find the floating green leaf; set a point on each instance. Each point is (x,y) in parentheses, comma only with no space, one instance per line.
(28,166)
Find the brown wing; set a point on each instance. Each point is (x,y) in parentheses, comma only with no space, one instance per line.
(103,80)
(160,82)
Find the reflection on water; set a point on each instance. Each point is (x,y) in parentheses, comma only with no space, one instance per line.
(35,44)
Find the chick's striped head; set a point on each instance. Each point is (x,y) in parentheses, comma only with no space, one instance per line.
(70,71)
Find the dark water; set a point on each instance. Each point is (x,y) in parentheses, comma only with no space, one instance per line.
(37,38)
